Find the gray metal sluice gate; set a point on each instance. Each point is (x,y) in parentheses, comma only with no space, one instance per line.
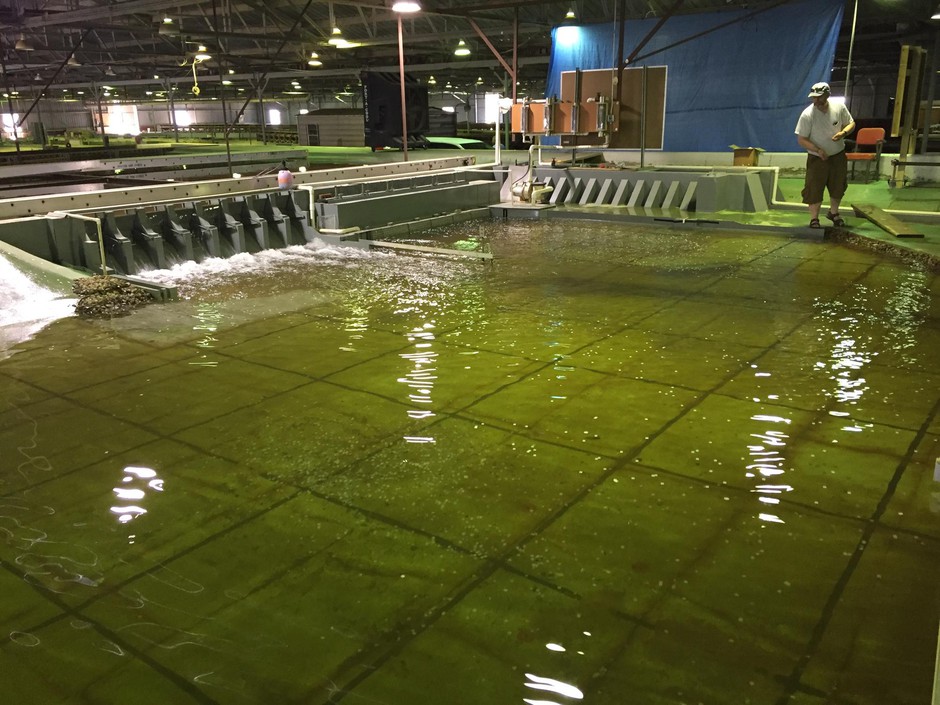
(156,236)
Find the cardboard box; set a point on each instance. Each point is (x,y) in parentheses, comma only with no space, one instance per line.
(746,156)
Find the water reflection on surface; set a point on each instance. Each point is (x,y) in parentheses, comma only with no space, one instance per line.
(421,378)
(137,481)
(209,318)
(566,690)
(356,324)
(768,460)
(905,312)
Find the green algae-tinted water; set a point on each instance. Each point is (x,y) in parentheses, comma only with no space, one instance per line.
(610,466)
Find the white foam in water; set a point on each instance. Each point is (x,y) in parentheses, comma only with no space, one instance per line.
(316,251)
(25,307)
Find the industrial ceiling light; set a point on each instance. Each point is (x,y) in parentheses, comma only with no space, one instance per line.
(314,60)
(936,14)
(109,72)
(22,44)
(462,49)
(202,54)
(569,15)
(72,62)
(405,6)
(432,81)
(337,37)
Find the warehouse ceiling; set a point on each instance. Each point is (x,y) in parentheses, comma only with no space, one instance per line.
(140,47)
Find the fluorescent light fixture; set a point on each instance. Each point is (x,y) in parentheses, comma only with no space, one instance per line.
(406,6)
(462,49)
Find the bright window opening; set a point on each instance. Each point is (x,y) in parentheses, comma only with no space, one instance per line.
(8,122)
(122,120)
(183,118)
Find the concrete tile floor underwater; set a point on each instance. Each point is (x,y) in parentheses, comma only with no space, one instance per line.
(613,464)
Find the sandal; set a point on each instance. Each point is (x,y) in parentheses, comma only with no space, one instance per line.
(836,219)
(814,224)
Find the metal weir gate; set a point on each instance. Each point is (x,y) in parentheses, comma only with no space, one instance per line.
(698,191)
(158,236)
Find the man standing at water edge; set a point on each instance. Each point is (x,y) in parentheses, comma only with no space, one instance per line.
(821,131)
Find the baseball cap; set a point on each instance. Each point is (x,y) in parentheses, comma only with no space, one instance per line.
(819,89)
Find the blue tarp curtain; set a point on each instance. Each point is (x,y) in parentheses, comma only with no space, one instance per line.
(744,84)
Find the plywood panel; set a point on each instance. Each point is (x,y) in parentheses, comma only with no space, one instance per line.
(626,126)
(594,83)
(631,106)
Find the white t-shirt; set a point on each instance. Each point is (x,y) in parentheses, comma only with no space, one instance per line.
(820,127)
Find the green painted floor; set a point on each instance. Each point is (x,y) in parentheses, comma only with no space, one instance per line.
(615,464)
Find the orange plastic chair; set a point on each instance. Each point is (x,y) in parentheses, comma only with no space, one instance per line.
(868,138)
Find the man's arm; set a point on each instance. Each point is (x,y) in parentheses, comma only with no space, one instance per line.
(810,146)
(844,132)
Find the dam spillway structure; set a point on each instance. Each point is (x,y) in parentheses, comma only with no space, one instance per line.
(133,230)
(130,231)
